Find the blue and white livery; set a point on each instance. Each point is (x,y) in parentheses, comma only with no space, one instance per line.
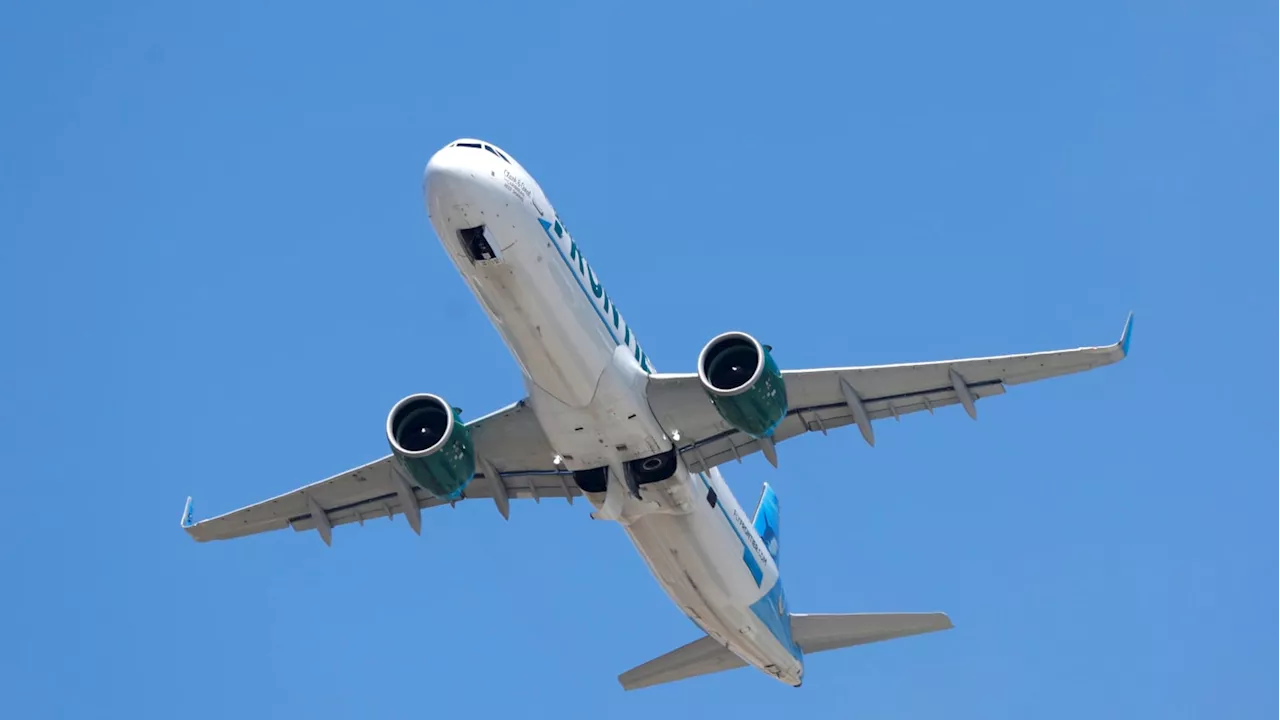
(644,448)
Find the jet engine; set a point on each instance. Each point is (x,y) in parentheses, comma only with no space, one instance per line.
(432,444)
(744,383)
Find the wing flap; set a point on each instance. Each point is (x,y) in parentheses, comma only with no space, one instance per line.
(700,657)
(519,487)
(726,444)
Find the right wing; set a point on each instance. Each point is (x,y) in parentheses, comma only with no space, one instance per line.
(514,460)
(826,398)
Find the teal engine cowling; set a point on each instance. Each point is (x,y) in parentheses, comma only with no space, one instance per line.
(744,383)
(432,444)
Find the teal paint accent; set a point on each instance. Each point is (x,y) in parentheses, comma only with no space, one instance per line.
(757,410)
(446,472)
(596,288)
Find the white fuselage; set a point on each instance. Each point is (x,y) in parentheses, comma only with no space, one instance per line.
(585,373)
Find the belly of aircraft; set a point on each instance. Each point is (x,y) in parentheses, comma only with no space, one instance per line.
(698,562)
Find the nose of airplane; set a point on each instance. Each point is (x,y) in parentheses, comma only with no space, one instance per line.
(464,180)
(445,179)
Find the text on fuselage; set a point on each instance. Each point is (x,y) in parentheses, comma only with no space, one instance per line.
(578,262)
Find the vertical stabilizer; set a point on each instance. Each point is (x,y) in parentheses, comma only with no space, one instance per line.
(766,521)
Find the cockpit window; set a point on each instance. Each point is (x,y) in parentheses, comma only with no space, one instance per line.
(495,152)
(479,146)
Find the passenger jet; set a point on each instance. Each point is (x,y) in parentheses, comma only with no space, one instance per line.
(643,447)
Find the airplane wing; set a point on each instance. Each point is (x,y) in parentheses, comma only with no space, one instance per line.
(823,399)
(514,460)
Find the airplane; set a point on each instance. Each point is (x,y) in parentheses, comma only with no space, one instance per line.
(644,447)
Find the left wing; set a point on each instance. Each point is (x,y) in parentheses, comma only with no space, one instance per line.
(515,461)
(822,399)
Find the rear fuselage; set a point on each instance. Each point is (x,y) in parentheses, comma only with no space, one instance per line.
(585,372)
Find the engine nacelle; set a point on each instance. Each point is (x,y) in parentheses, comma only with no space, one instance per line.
(432,444)
(744,383)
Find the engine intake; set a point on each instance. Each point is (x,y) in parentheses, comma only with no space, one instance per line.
(432,444)
(744,383)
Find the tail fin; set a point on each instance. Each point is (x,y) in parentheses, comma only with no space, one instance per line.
(766,521)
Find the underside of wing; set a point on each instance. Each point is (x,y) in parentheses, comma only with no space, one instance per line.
(827,398)
(514,460)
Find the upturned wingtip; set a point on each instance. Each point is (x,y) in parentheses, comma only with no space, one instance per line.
(187,511)
(1127,335)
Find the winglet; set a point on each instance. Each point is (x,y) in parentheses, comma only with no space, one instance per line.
(1126,336)
(186,514)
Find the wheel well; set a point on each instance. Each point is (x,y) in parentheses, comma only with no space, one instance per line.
(595,480)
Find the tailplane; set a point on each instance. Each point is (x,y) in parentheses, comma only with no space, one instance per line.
(816,633)
(813,633)
(701,657)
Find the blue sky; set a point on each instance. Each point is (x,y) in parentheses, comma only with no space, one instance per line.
(217,275)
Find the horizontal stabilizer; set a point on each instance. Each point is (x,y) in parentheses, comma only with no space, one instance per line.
(813,633)
(816,633)
(700,657)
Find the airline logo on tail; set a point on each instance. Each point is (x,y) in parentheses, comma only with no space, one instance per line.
(772,608)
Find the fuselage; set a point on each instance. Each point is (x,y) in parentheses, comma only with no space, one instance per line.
(585,371)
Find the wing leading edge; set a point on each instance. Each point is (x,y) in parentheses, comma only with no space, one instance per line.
(826,398)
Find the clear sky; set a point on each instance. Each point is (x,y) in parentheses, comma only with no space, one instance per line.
(217,276)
